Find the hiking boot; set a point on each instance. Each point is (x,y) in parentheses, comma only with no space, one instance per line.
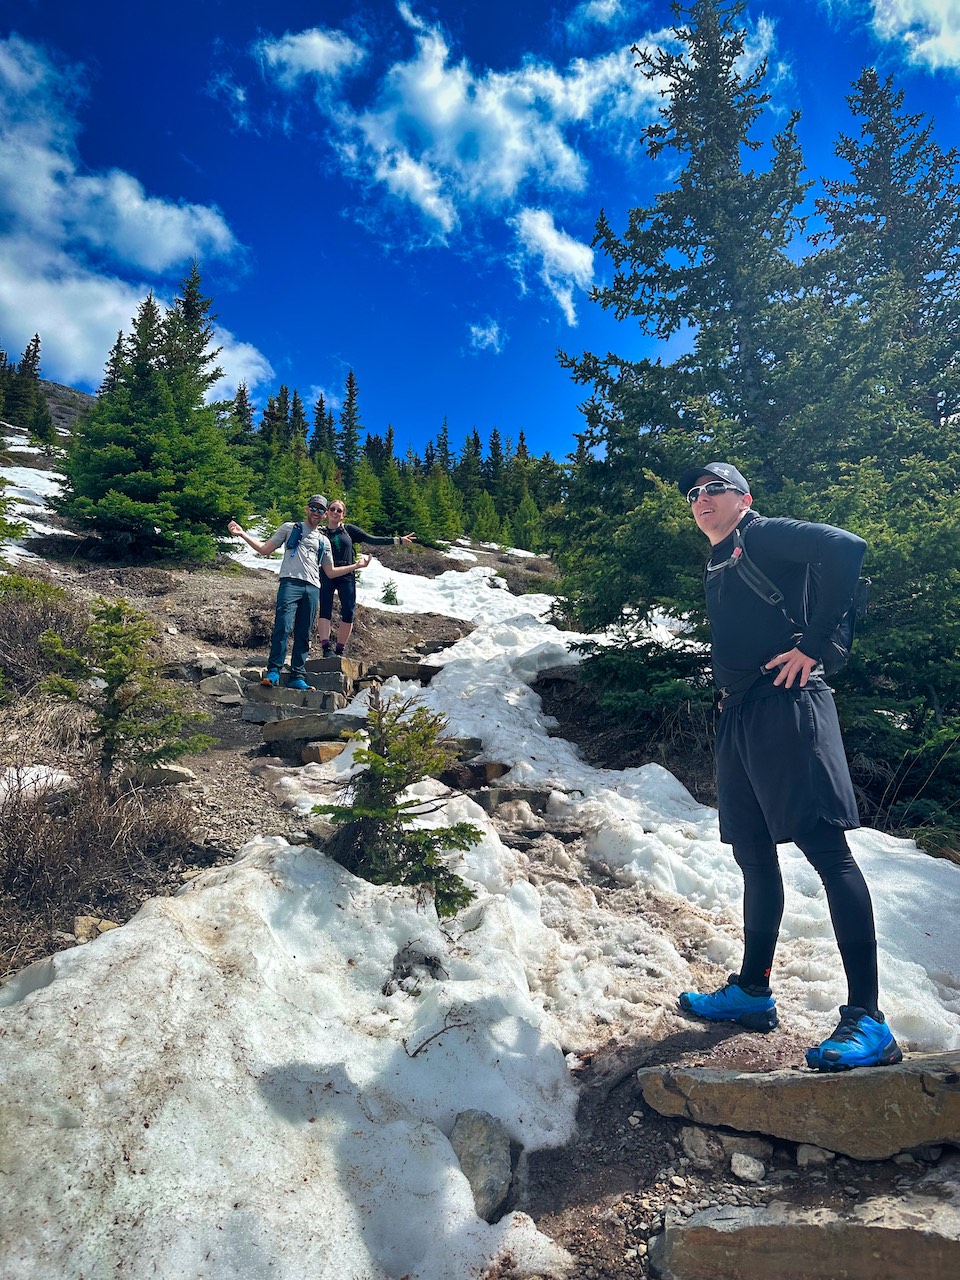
(297,682)
(339,650)
(325,647)
(271,678)
(861,1039)
(753,1007)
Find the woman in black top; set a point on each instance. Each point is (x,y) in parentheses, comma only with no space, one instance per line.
(342,537)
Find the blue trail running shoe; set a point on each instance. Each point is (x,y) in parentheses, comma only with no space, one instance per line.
(297,682)
(272,677)
(753,1007)
(861,1039)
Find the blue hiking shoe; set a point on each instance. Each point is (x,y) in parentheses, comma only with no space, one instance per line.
(297,682)
(861,1039)
(752,1007)
(272,678)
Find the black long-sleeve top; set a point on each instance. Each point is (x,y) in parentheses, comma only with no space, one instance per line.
(746,631)
(345,535)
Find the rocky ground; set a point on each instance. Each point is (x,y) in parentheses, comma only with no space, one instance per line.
(608,1192)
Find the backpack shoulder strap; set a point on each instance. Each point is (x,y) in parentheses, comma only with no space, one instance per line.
(755,578)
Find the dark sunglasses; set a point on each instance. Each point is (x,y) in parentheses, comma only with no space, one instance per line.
(712,489)
(311,506)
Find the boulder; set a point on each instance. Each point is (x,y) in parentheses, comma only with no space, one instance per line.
(420,671)
(86,928)
(885,1238)
(482,1145)
(324,726)
(867,1114)
(164,775)
(222,682)
(346,666)
(321,752)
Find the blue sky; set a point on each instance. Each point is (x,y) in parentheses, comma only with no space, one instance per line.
(404,190)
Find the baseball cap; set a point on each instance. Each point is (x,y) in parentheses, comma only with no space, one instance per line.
(318,500)
(722,470)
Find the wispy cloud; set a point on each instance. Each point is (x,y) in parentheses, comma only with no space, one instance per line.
(565,264)
(431,133)
(596,13)
(324,54)
(928,31)
(73,243)
(487,336)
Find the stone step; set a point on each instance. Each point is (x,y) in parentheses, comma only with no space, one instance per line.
(322,681)
(345,666)
(419,671)
(257,711)
(917,1099)
(885,1238)
(491,797)
(295,731)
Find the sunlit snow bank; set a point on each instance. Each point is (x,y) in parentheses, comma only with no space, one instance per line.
(223,1084)
(28,491)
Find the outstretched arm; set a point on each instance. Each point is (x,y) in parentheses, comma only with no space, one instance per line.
(340,571)
(360,535)
(261,548)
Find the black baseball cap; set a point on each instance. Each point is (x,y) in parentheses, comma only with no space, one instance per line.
(722,470)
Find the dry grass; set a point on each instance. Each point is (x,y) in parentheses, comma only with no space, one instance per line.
(85,849)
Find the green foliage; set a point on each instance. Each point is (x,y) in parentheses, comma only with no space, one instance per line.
(138,718)
(150,469)
(389,594)
(376,837)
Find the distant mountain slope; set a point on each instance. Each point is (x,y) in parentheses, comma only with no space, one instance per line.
(65,403)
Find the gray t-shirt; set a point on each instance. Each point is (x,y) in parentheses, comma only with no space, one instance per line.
(302,562)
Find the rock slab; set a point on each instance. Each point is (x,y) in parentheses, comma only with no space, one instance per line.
(868,1114)
(883,1239)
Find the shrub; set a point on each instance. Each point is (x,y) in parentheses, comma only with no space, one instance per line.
(389,595)
(90,847)
(375,837)
(138,718)
(28,608)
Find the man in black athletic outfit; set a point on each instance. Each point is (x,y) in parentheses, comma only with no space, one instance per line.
(781,770)
(342,537)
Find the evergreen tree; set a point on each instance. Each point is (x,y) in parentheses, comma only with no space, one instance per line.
(444,453)
(150,469)
(23,389)
(188,359)
(365,504)
(446,513)
(527,527)
(115,368)
(468,473)
(42,428)
(348,442)
(493,469)
(323,437)
(298,421)
(485,524)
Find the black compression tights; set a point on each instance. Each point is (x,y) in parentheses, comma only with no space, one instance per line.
(826,849)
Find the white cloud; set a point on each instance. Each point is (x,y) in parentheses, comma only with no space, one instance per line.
(445,138)
(240,362)
(565,263)
(596,13)
(326,54)
(60,227)
(930,29)
(487,336)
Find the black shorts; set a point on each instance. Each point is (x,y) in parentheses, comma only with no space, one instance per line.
(781,768)
(346,589)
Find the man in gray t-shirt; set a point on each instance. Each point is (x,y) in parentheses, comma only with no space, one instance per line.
(306,554)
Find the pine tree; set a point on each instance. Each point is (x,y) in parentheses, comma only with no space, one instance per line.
(188,359)
(23,389)
(150,468)
(446,513)
(115,368)
(485,524)
(444,454)
(527,526)
(493,469)
(298,420)
(468,472)
(348,441)
(323,437)
(365,503)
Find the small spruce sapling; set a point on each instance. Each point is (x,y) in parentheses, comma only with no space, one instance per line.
(389,592)
(376,838)
(138,720)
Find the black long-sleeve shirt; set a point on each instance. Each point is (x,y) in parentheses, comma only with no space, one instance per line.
(746,631)
(345,535)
